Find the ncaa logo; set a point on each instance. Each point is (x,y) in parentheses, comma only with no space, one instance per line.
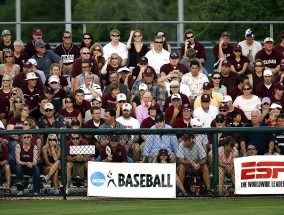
(98,179)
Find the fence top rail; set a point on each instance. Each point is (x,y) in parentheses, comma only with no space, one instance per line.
(144,22)
(147,131)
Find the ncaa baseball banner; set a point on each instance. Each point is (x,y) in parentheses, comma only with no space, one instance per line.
(259,175)
(132,180)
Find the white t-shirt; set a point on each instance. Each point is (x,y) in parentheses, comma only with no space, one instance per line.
(156,60)
(250,51)
(247,105)
(121,50)
(130,123)
(206,117)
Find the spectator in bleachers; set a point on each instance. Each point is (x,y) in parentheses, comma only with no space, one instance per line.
(191,56)
(125,77)
(228,77)
(36,71)
(272,119)
(239,61)
(237,90)
(27,163)
(51,155)
(49,93)
(110,100)
(9,67)
(271,58)
(257,75)
(224,110)
(6,44)
(96,101)
(265,108)
(266,87)
(278,94)
(276,107)
(141,111)
(5,94)
(279,138)
(158,56)
(59,93)
(15,102)
(156,142)
(150,121)
(165,46)
(19,55)
(138,99)
(223,50)
(137,49)
(216,84)
(4,165)
(56,70)
(280,77)
(280,47)
(116,47)
(248,101)
(251,150)
(87,40)
(97,53)
(30,48)
(174,64)
(184,121)
(114,151)
(114,79)
(174,111)
(80,103)
(50,118)
(138,71)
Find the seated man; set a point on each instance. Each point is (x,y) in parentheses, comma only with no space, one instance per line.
(114,152)
(192,158)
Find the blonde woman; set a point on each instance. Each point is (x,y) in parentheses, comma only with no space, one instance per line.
(5,94)
(15,104)
(51,156)
(9,67)
(55,69)
(97,53)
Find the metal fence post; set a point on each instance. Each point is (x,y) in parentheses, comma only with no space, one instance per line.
(215,164)
(63,164)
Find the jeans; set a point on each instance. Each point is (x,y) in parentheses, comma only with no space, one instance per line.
(12,157)
(34,171)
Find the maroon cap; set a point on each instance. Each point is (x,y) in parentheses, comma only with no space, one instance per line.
(174,55)
(163,152)
(154,106)
(207,86)
(237,48)
(278,85)
(37,31)
(226,63)
(186,106)
(205,97)
(187,137)
(225,34)
(224,107)
(149,72)
(220,118)
(27,64)
(282,66)
(143,60)
(114,138)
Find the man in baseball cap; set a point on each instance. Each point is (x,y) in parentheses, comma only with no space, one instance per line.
(174,64)
(174,111)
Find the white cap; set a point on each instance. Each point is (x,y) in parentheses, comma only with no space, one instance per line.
(126,106)
(143,86)
(174,84)
(32,61)
(121,97)
(31,75)
(227,98)
(267,72)
(53,78)
(196,122)
(97,99)
(268,39)
(48,106)
(124,69)
(275,105)
(176,96)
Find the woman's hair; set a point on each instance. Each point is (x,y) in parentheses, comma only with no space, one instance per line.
(71,98)
(82,41)
(18,91)
(54,65)
(94,46)
(246,84)
(10,53)
(177,72)
(190,53)
(57,146)
(212,76)
(14,110)
(31,123)
(262,63)
(7,77)
(117,56)
(165,44)
(18,111)
(227,141)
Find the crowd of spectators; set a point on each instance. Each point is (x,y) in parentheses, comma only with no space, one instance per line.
(132,86)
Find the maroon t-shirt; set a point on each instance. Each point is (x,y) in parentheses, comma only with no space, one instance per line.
(72,115)
(119,154)
(229,81)
(147,123)
(108,101)
(239,64)
(228,51)
(235,92)
(20,82)
(179,123)
(90,123)
(60,95)
(262,91)
(30,48)
(136,71)
(77,67)
(21,59)
(169,113)
(83,107)
(31,98)
(18,124)
(199,49)
(167,68)
(280,49)
(184,99)
(130,82)
(27,156)
(271,60)
(273,100)
(4,102)
(68,56)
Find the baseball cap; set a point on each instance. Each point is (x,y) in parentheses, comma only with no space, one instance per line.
(224,107)
(220,118)
(175,96)
(163,152)
(53,78)
(124,69)
(96,98)
(75,122)
(159,118)
(278,85)
(37,31)
(126,106)
(282,66)
(174,84)
(267,72)
(226,63)
(205,97)
(30,76)
(143,60)
(187,137)
(227,98)
(186,106)
(225,34)
(114,138)
(237,48)
(207,86)
(249,33)
(32,61)
(27,64)
(154,106)
(6,32)
(268,39)
(39,43)
(196,122)
(149,72)
(275,105)
(174,55)
(265,100)
(121,97)
(49,90)
(48,106)
(142,86)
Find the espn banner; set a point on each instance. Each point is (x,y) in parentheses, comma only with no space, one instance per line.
(259,175)
(132,180)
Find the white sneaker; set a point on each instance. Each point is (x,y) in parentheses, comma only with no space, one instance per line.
(68,191)
(46,178)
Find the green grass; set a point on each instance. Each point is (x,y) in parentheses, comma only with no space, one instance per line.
(148,207)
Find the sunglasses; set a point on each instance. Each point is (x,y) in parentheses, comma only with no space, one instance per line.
(251,149)
(158,42)
(75,138)
(219,121)
(237,51)
(14,94)
(31,79)
(122,101)
(217,78)
(115,35)
(48,110)
(97,50)
(17,101)
(87,38)
(26,109)
(189,37)
(42,47)
(85,67)
(246,88)
(205,101)
(174,77)
(281,89)
(8,56)
(162,35)
(6,80)
(26,137)
(68,101)
(137,35)
(26,124)
(66,37)
(222,110)
(53,82)
(114,58)
(85,53)
(52,139)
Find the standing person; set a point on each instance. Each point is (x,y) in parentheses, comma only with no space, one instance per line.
(137,49)
(191,42)
(6,44)
(9,67)
(87,40)
(158,56)
(250,47)
(116,47)
(20,56)
(30,48)
(166,46)
(97,53)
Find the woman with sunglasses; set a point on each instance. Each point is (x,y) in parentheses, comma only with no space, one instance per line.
(217,86)
(87,40)
(59,93)
(247,101)
(9,67)
(239,63)
(137,49)
(56,70)
(27,163)
(97,53)
(257,75)
(51,156)
(5,94)
(15,104)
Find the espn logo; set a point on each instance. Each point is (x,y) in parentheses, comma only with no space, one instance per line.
(261,170)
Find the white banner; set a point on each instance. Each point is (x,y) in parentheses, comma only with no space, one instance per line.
(132,180)
(259,175)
